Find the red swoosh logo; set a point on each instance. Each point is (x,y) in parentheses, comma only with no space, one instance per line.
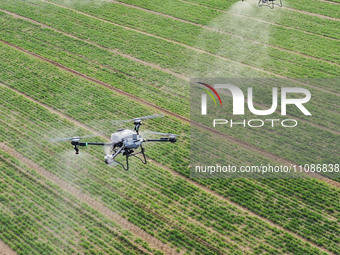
(213,90)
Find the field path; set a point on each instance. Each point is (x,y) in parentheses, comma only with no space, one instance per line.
(191,48)
(99,46)
(115,51)
(173,172)
(168,40)
(154,242)
(311,14)
(329,1)
(175,115)
(260,20)
(5,249)
(157,67)
(222,32)
(181,76)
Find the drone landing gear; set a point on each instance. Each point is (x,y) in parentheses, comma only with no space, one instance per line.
(127,153)
(76,149)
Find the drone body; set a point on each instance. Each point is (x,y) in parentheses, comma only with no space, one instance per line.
(125,142)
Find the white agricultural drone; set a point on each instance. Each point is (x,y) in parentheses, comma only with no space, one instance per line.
(269,3)
(123,141)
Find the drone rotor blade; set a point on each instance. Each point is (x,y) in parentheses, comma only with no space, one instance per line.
(53,140)
(164,134)
(159,133)
(151,117)
(118,122)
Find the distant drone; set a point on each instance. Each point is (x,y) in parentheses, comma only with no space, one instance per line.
(124,141)
(269,3)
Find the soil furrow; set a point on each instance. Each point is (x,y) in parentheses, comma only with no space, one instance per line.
(168,71)
(223,32)
(174,173)
(154,242)
(181,76)
(329,1)
(311,14)
(177,116)
(190,47)
(260,20)
(5,249)
(169,40)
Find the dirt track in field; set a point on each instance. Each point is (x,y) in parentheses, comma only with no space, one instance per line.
(223,32)
(161,69)
(162,38)
(6,250)
(177,116)
(166,39)
(178,43)
(115,51)
(259,20)
(311,14)
(99,46)
(329,1)
(174,173)
(153,242)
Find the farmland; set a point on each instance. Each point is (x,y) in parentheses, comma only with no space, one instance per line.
(80,67)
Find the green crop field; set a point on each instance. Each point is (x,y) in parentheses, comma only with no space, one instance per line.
(73,67)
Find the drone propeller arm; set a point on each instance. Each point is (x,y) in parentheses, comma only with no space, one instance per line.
(85,144)
(89,143)
(163,139)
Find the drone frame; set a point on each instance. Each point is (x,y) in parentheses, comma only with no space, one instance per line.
(127,152)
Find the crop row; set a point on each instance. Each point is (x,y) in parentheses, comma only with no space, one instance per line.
(76,55)
(74,108)
(109,184)
(128,208)
(285,17)
(226,45)
(264,18)
(272,59)
(68,170)
(317,7)
(253,136)
(106,127)
(36,220)
(325,116)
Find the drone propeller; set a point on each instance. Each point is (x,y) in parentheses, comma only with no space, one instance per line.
(159,133)
(75,138)
(117,122)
